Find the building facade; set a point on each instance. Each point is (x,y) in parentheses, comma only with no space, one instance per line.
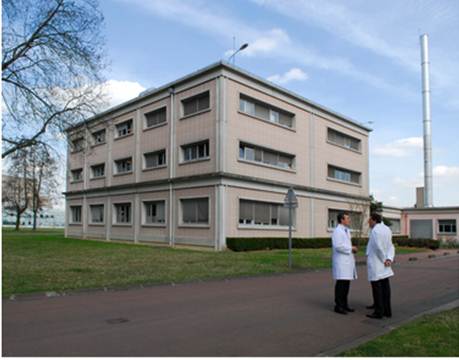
(211,156)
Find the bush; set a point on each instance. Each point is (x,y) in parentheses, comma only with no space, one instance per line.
(269,243)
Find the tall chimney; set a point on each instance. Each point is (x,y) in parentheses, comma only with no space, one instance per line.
(427,121)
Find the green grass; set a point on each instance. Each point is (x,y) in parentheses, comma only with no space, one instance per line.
(46,261)
(431,335)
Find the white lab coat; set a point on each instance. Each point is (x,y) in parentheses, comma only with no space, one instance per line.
(343,261)
(379,249)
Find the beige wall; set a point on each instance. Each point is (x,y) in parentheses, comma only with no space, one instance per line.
(434,216)
(307,141)
(154,233)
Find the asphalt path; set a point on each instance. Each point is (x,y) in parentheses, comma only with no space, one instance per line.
(279,315)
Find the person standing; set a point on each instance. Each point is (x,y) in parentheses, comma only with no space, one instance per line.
(380,256)
(343,263)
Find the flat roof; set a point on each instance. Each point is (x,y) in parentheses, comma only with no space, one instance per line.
(436,208)
(220,64)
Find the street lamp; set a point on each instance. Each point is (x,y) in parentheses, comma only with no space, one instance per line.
(244,46)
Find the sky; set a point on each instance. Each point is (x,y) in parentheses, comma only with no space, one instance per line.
(359,58)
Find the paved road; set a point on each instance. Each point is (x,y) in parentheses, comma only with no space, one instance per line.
(284,315)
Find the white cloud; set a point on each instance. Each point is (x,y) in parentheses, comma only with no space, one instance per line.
(400,148)
(446,171)
(294,74)
(118,91)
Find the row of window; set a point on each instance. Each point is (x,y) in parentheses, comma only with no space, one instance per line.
(201,102)
(196,211)
(200,151)
(190,106)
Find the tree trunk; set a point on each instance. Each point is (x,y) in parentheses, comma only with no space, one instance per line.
(18,220)
(34,226)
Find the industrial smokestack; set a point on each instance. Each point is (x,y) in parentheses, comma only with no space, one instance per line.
(427,121)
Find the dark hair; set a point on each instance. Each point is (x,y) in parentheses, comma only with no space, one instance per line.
(341,215)
(376,217)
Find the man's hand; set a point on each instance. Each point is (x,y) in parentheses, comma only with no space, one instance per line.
(355,249)
(387,263)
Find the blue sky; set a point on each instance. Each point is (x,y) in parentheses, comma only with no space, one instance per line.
(360,58)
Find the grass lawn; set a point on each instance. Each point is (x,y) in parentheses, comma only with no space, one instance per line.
(431,335)
(46,261)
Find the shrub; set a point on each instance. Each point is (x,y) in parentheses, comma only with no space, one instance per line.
(269,243)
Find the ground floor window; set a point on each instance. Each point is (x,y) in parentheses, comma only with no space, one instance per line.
(447,226)
(195,211)
(75,214)
(253,212)
(154,212)
(123,213)
(395,226)
(356,218)
(97,213)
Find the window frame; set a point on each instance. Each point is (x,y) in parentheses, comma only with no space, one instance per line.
(115,168)
(330,229)
(254,148)
(115,214)
(76,149)
(158,109)
(270,109)
(144,165)
(270,203)
(121,123)
(91,221)
(344,170)
(92,171)
(94,134)
(183,224)
(72,172)
(340,133)
(191,98)
(196,146)
(452,225)
(71,219)
(144,213)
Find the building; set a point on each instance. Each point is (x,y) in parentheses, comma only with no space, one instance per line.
(211,156)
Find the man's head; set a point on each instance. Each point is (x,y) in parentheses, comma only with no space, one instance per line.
(374,219)
(344,218)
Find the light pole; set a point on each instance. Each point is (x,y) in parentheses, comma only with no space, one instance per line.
(243,46)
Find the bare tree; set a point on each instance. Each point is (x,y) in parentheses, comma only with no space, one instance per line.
(359,214)
(43,174)
(53,56)
(16,192)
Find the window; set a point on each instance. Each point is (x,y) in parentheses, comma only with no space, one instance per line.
(265,112)
(155,117)
(265,156)
(154,159)
(78,144)
(395,226)
(356,218)
(196,104)
(195,151)
(99,137)
(123,213)
(154,212)
(263,213)
(123,166)
(75,213)
(98,170)
(97,214)
(195,211)
(77,175)
(124,129)
(447,226)
(343,174)
(343,140)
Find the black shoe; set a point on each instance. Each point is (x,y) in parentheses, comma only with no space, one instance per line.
(370,307)
(388,315)
(348,309)
(340,310)
(374,316)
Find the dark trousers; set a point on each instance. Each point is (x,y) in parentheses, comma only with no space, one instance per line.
(381,297)
(341,293)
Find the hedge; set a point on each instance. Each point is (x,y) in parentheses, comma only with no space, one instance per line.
(268,243)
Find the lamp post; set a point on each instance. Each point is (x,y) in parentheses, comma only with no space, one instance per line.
(243,46)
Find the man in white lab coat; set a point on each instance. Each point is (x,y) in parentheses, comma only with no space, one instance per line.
(343,263)
(380,255)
